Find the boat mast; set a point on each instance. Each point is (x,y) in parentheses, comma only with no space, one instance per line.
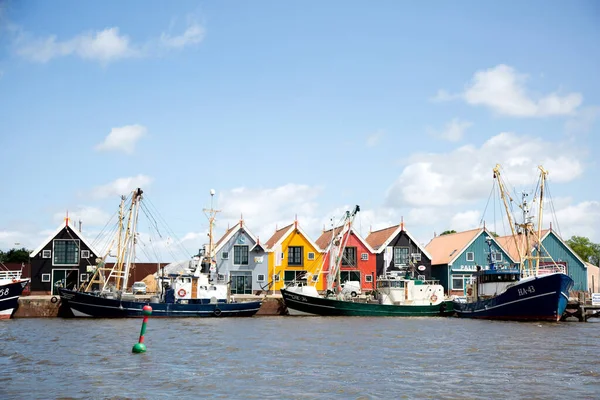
(543,174)
(137,196)
(503,196)
(344,236)
(211,222)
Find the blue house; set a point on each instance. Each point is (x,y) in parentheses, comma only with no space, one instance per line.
(241,260)
(455,258)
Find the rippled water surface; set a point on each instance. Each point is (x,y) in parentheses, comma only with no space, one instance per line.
(299,358)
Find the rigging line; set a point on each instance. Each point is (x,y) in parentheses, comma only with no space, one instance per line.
(486,204)
(147,213)
(154,249)
(169,230)
(555,218)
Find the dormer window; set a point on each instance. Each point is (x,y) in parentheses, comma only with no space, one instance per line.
(470,256)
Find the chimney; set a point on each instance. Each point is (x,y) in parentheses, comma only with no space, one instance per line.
(80,225)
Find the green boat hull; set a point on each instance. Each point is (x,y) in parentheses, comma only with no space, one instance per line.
(332,307)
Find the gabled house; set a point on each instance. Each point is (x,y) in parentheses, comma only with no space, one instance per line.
(554,250)
(358,260)
(242,260)
(293,256)
(64,259)
(457,255)
(397,250)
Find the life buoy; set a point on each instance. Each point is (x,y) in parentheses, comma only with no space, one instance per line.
(54,299)
(469,291)
(181,292)
(217,312)
(433,298)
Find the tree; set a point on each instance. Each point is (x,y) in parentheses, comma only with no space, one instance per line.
(15,256)
(585,249)
(494,234)
(447,232)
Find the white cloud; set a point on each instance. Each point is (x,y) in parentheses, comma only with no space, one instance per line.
(503,90)
(193,34)
(443,95)
(123,138)
(104,46)
(375,138)
(89,216)
(264,209)
(581,219)
(121,187)
(465,220)
(464,175)
(453,131)
(583,121)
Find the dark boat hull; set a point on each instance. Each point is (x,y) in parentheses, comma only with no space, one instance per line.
(9,297)
(332,307)
(90,305)
(543,298)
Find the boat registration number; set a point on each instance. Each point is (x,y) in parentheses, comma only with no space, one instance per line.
(3,292)
(525,291)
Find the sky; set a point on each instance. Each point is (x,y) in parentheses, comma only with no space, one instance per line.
(296,110)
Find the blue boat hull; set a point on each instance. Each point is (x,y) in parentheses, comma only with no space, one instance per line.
(543,298)
(90,305)
(9,297)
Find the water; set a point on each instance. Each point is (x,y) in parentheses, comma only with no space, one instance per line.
(299,358)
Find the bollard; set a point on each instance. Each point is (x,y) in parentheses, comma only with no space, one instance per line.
(140,347)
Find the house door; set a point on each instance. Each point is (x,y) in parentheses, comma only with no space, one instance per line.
(241,284)
(66,278)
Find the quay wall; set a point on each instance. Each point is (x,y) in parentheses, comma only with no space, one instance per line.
(43,307)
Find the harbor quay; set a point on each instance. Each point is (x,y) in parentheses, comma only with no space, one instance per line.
(48,306)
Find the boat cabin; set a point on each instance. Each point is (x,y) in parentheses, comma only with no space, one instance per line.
(395,288)
(491,282)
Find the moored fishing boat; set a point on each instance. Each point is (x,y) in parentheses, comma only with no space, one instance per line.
(398,293)
(528,293)
(185,292)
(11,288)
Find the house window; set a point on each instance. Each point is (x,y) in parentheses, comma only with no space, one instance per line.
(416,256)
(83,278)
(260,278)
(276,278)
(295,255)
(225,255)
(66,252)
(349,276)
(368,278)
(292,276)
(364,256)
(470,256)
(45,277)
(240,255)
(311,255)
(349,257)
(315,278)
(401,255)
(85,254)
(458,283)
(47,254)
(220,277)
(498,257)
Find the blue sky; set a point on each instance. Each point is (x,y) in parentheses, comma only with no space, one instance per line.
(295,108)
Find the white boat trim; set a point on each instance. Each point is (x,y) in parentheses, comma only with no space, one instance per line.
(9,298)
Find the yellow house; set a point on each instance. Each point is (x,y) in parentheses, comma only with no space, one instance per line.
(292,256)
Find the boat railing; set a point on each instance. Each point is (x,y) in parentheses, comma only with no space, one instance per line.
(10,274)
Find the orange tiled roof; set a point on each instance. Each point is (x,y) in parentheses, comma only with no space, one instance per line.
(325,238)
(444,248)
(378,238)
(276,236)
(508,244)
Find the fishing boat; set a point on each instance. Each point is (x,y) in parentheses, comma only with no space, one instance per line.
(11,288)
(399,293)
(525,293)
(184,289)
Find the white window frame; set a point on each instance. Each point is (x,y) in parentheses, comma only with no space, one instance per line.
(260,278)
(220,277)
(310,256)
(225,255)
(369,278)
(247,250)
(497,257)
(45,277)
(416,256)
(46,253)
(83,277)
(78,252)
(276,278)
(472,258)
(364,256)
(85,254)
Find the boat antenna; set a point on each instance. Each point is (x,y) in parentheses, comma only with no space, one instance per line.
(210,214)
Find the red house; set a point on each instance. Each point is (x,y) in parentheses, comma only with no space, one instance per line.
(358,261)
